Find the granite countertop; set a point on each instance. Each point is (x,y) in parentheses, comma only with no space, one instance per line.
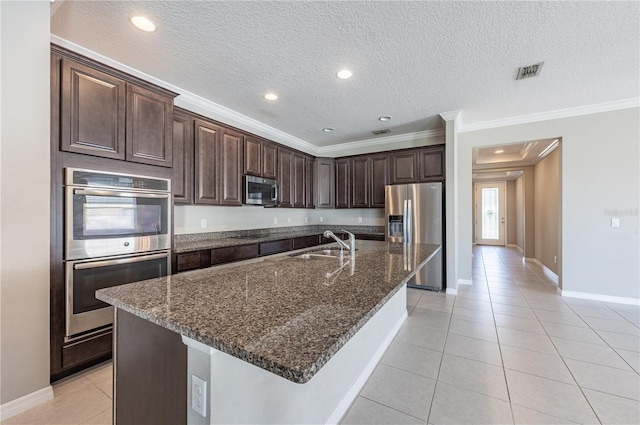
(286,315)
(198,241)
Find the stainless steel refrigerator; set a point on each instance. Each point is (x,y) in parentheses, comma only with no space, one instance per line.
(414,214)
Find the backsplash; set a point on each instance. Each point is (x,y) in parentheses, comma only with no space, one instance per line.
(189,219)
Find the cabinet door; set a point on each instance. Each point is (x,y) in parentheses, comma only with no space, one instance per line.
(342,183)
(230,164)
(325,183)
(285,165)
(93,112)
(379,179)
(269,161)
(206,138)
(149,127)
(298,181)
(310,183)
(182,174)
(252,156)
(404,167)
(360,182)
(431,164)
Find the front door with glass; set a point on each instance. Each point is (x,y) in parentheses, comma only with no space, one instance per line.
(490,213)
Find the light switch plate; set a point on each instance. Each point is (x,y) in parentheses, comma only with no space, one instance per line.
(615,222)
(199,395)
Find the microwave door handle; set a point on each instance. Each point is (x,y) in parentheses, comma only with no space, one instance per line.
(121,194)
(275,193)
(106,263)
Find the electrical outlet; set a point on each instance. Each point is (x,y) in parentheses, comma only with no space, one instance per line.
(306,219)
(288,219)
(555,259)
(275,220)
(203,223)
(615,222)
(321,219)
(359,219)
(199,395)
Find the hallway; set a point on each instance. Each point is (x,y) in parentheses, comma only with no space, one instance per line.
(507,349)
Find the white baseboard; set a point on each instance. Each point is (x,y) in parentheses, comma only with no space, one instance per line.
(452,291)
(465,282)
(511,245)
(353,392)
(599,297)
(26,402)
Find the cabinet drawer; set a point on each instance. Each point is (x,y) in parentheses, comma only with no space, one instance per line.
(305,241)
(83,351)
(191,260)
(233,253)
(274,247)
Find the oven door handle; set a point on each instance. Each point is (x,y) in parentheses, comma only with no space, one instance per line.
(106,263)
(122,194)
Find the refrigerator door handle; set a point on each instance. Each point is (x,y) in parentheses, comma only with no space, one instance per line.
(404,221)
(409,220)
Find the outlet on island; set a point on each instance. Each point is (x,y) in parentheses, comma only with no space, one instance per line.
(203,223)
(275,220)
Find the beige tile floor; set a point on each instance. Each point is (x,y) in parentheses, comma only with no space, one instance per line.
(506,349)
(84,398)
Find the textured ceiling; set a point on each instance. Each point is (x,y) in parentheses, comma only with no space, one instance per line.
(411,60)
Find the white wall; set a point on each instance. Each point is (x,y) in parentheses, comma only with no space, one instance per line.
(187,219)
(600,179)
(24,202)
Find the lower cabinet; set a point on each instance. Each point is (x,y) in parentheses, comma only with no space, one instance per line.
(275,247)
(233,253)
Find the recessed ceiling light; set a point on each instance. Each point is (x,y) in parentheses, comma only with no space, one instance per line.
(499,151)
(327,129)
(143,23)
(271,96)
(344,74)
(384,118)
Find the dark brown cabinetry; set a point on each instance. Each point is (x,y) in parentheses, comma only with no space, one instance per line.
(93,111)
(149,127)
(230,164)
(360,168)
(310,182)
(252,156)
(285,167)
(379,179)
(404,167)
(269,160)
(218,161)
(325,183)
(105,115)
(431,164)
(342,183)
(298,181)
(233,253)
(419,165)
(182,178)
(206,148)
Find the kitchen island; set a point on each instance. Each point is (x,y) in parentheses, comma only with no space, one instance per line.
(280,339)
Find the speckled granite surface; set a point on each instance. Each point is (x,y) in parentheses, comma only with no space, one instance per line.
(198,241)
(283,314)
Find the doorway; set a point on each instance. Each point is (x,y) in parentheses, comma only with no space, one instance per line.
(490,211)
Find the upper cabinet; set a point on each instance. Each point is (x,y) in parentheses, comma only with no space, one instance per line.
(379,179)
(252,156)
(231,146)
(310,183)
(342,183)
(269,160)
(360,168)
(419,165)
(206,153)
(298,181)
(182,177)
(285,167)
(325,183)
(104,114)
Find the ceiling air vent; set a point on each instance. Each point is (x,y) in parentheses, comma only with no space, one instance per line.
(385,131)
(529,71)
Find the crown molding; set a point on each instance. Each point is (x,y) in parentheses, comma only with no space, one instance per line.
(192,101)
(451,115)
(397,138)
(550,115)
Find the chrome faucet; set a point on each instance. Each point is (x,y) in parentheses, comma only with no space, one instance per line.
(352,241)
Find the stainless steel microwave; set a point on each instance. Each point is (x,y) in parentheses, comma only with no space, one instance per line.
(259,191)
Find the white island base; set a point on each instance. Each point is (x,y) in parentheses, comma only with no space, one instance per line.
(240,393)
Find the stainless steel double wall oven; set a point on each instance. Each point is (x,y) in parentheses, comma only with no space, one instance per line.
(117,231)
